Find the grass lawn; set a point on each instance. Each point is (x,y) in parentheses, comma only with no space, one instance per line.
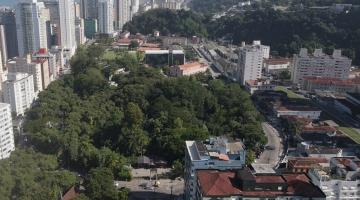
(353,134)
(290,94)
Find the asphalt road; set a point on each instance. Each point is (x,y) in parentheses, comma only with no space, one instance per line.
(271,156)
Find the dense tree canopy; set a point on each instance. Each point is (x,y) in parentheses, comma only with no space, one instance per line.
(98,125)
(181,22)
(211,6)
(30,175)
(287,32)
(95,128)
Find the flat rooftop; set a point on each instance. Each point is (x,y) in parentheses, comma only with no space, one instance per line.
(214,148)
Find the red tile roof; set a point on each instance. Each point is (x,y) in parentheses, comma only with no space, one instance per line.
(215,183)
(269,179)
(70,194)
(305,162)
(191,65)
(277,61)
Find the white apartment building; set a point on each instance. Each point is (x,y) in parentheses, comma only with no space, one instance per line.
(121,12)
(319,64)
(6,131)
(335,189)
(18,91)
(250,61)
(25,65)
(31,26)
(67,25)
(214,153)
(105,16)
(172,5)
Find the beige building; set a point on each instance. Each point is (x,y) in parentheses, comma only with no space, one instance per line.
(319,64)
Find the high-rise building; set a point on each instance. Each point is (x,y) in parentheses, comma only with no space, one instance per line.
(53,6)
(3,47)
(77,8)
(105,16)
(18,91)
(214,153)
(25,65)
(134,8)
(319,64)
(80,31)
(31,25)
(91,27)
(7,19)
(122,13)
(91,7)
(67,25)
(7,144)
(250,61)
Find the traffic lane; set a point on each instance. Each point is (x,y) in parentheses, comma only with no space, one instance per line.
(271,156)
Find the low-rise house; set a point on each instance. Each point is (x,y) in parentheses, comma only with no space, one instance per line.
(304,111)
(275,66)
(258,85)
(188,69)
(305,164)
(318,151)
(164,57)
(242,184)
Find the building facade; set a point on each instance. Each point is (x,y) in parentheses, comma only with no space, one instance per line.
(122,13)
(25,65)
(7,19)
(7,144)
(319,64)
(18,91)
(105,16)
(276,65)
(91,27)
(215,153)
(336,85)
(80,31)
(31,25)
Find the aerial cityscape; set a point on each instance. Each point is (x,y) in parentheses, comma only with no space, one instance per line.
(179,99)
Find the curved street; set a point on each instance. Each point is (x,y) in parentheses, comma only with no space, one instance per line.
(271,156)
